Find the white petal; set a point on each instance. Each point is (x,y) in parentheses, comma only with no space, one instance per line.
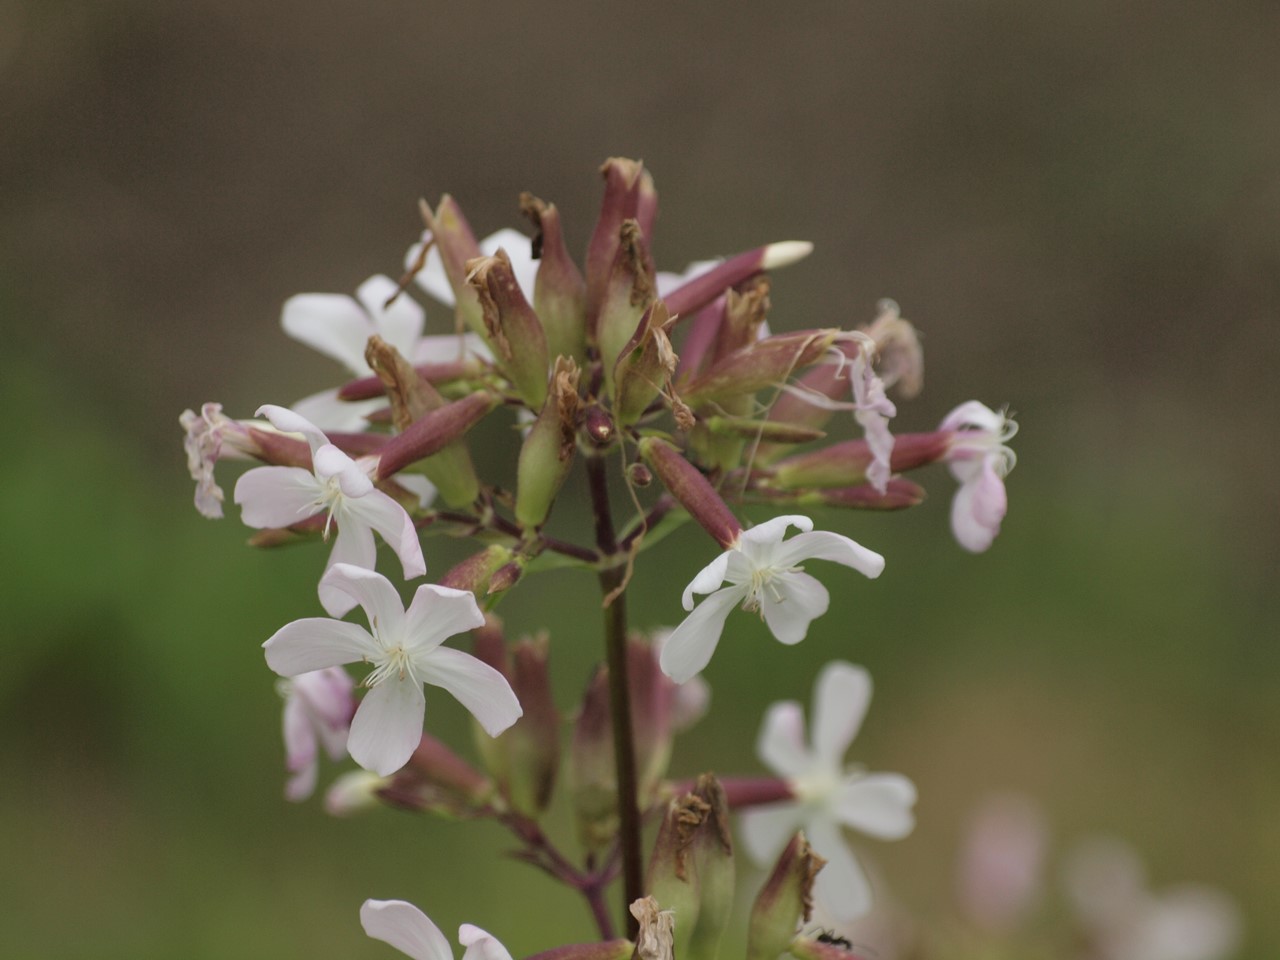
(804,599)
(289,421)
(330,462)
(432,278)
(387,726)
(841,887)
(772,531)
(878,804)
(977,509)
(708,580)
(450,347)
(824,545)
(400,324)
(377,510)
(419,486)
(327,412)
(691,703)
(332,323)
(374,593)
(766,830)
(781,745)
(406,928)
(841,696)
(277,496)
(477,686)
(1190,923)
(689,648)
(437,613)
(354,545)
(316,643)
(480,945)
(519,249)
(973,415)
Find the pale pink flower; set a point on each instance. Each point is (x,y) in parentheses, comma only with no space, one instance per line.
(979,459)
(763,573)
(411,931)
(828,796)
(336,485)
(317,715)
(404,648)
(1002,863)
(211,436)
(872,409)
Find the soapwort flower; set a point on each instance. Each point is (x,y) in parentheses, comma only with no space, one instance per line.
(339,486)
(405,649)
(411,931)
(979,459)
(763,573)
(317,714)
(828,796)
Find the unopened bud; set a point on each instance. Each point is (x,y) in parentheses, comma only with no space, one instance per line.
(559,293)
(598,426)
(457,245)
(692,490)
(784,902)
(762,430)
(645,365)
(592,767)
(638,475)
(547,453)
(512,329)
(622,187)
(506,576)
(628,293)
(702,289)
(353,792)
(434,431)
(765,363)
(475,572)
(845,464)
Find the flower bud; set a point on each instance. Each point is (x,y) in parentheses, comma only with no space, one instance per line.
(784,902)
(644,367)
(598,426)
(512,329)
(638,475)
(764,363)
(559,293)
(623,182)
(475,572)
(506,576)
(700,339)
(692,490)
(592,767)
(629,290)
(457,245)
(845,464)
(608,950)
(369,388)
(742,792)
(898,494)
(547,453)
(762,430)
(353,792)
(433,432)
(702,289)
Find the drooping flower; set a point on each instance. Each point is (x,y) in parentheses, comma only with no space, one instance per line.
(211,436)
(828,796)
(339,486)
(340,327)
(405,650)
(317,714)
(979,459)
(411,931)
(763,573)
(872,409)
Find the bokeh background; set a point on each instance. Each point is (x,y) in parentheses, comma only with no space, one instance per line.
(1077,203)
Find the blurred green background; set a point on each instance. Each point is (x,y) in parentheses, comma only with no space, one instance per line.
(1076,203)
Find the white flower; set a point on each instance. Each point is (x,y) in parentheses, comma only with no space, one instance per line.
(405,650)
(1124,921)
(519,249)
(340,327)
(980,460)
(828,796)
(411,931)
(317,713)
(282,496)
(763,574)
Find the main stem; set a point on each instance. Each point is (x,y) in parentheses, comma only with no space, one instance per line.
(615,642)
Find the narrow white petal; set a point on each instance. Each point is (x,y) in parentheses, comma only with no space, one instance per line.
(377,510)
(804,599)
(708,580)
(689,648)
(437,613)
(842,888)
(784,253)
(327,412)
(354,545)
(480,945)
(399,324)
(332,323)
(388,725)
(781,745)
(772,531)
(825,545)
(419,486)
(277,496)
(289,421)
(406,928)
(447,348)
(477,686)
(374,593)
(316,643)
(879,804)
(766,830)
(841,696)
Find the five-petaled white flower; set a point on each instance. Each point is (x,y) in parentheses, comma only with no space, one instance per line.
(404,648)
(317,713)
(827,795)
(336,485)
(763,573)
(980,460)
(340,327)
(411,931)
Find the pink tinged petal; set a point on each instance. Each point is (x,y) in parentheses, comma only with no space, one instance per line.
(476,685)
(277,496)
(977,509)
(804,599)
(437,613)
(708,580)
(399,324)
(878,804)
(480,945)
(841,696)
(377,510)
(288,421)
(842,887)
(689,648)
(824,545)
(387,725)
(691,703)
(316,643)
(990,502)
(374,593)
(302,784)
(300,750)
(406,928)
(331,462)
(766,830)
(327,412)
(353,545)
(781,745)
(332,323)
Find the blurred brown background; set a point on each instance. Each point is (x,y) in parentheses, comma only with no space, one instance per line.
(1076,203)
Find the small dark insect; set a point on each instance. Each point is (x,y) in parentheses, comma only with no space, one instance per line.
(834,939)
